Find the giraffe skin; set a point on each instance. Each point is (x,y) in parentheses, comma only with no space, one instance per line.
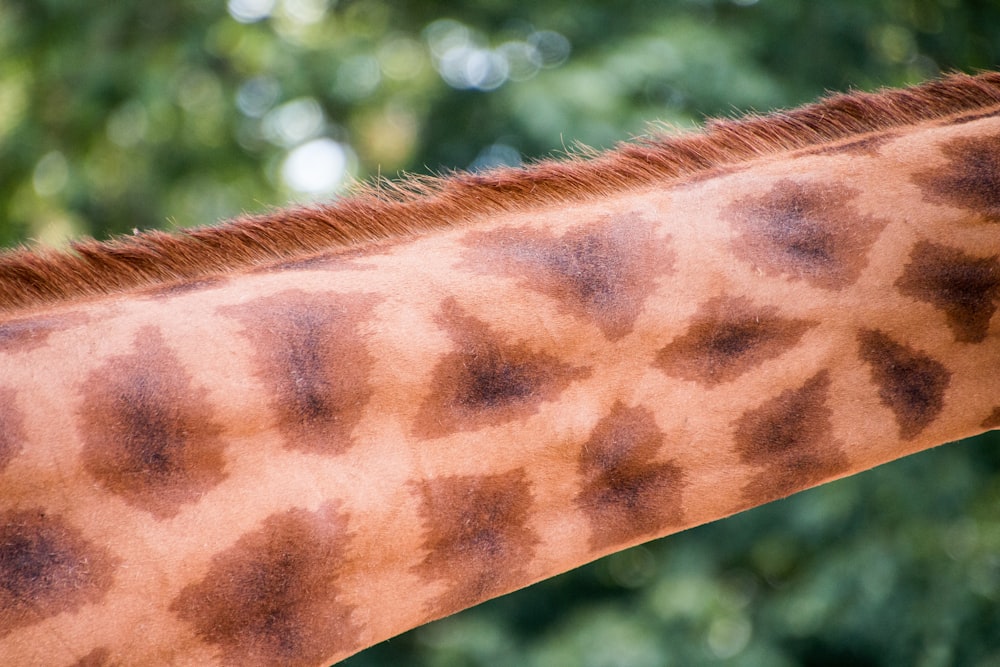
(289,460)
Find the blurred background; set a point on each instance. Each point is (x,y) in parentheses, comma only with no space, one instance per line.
(132,115)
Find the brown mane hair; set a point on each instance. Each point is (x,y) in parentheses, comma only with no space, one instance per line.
(387,209)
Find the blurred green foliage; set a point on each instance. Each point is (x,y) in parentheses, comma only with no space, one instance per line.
(132,115)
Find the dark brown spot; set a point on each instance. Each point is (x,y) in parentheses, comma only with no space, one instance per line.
(602,271)
(709,173)
(26,334)
(148,432)
(868,146)
(805,231)
(973,117)
(993,421)
(328,261)
(487,381)
(626,492)
(11,427)
(969,180)
(99,657)
(791,437)
(476,535)
(309,353)
(47,567)
(726,338)
(340,259)
(910,383)
(273,598)
(179,288)
(962,286)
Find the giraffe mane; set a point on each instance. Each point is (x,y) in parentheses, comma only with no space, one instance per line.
(385,209)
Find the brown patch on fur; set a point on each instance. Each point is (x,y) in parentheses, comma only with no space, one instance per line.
(327,261)
(726,338)
(805,231)
(972,117)
(308,352)
(602,271)
(910,383)
(964,287)
(149,435)
(273,598)
(791,437)
(417,205)
(626,492)
(993,421)
(29,333)
(339,259)
(709,173)
(970,179)
(476,536)
(99,657)
(47,568)
(487,381)
(177,289)
(11,427)
(868,146)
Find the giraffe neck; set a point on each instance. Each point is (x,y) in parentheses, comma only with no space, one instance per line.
(291,462)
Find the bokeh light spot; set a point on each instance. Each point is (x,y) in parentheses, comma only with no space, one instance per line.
(496,155)
(304,12)
(128,125)
(294,122)
(317,167)
(250,11)
(464,59)
(552,47)
(51,174)
(257,95)
(357,77)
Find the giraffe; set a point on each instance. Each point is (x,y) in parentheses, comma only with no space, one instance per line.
(283,439)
